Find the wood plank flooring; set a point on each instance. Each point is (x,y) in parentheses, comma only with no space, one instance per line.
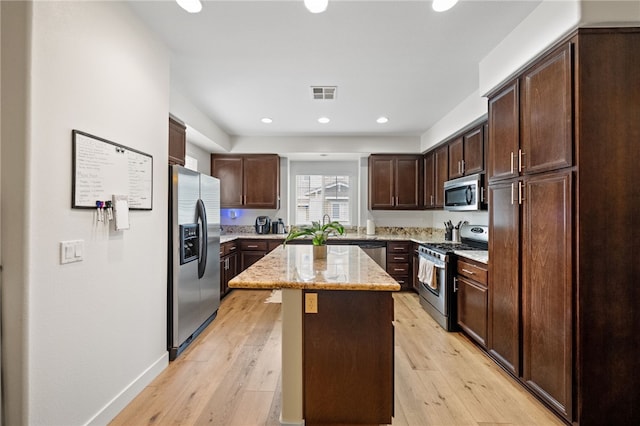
(231,375)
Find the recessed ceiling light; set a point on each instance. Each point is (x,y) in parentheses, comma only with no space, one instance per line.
(267,120)
(316,6)
(382,120)
(191,6)
(323,120)
(443,5)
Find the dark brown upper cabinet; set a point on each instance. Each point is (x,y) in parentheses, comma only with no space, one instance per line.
(395,182)
(441,173)
(248,181)
(429,180)
(177,142)
(504,132)
(531,119)
(466,154)
(547,114)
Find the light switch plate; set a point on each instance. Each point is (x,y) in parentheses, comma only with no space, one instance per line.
(71,251)
(311,303)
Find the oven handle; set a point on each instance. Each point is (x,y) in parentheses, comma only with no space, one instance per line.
(440,264)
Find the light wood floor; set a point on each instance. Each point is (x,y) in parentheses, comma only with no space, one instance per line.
(231,375)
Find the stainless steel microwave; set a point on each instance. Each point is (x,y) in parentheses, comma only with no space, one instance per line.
(465,193)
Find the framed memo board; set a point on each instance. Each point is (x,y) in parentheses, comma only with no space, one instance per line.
(102,168)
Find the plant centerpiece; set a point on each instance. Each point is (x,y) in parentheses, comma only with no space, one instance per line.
(319,234)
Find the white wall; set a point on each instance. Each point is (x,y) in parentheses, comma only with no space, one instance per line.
(204,130)
(203,157)
(326,144)
(95,330)
(469,112)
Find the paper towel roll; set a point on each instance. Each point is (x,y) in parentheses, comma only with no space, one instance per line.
(371,227)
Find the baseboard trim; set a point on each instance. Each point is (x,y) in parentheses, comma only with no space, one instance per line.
(117,404)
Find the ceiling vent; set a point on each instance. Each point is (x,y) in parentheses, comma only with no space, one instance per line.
(324,93)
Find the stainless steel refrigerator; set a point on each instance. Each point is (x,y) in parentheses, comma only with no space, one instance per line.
(194,256)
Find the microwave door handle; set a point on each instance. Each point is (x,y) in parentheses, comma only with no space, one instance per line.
(469,195)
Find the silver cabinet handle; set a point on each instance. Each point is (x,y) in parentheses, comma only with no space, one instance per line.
(520,165)
(252,246)
(468,272)
(511,162)
(520,192)
(462,172)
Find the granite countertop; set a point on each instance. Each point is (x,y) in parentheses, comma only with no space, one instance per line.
(293,266)
(481,256)
(355,236)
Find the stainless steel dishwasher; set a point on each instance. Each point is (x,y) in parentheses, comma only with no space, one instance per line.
(377,251)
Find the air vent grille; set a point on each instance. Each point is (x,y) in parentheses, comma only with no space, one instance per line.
(324,93)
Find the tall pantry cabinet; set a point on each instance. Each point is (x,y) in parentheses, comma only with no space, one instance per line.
(562,169)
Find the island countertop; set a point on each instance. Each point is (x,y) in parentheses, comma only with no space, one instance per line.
(293,267)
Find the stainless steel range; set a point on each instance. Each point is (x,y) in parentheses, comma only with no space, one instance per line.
(437,295)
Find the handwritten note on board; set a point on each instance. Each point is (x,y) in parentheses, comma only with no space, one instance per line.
(102,168)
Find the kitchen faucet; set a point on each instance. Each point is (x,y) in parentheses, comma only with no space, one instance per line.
(326,216)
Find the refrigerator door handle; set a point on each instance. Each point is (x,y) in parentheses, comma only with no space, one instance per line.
(202,218)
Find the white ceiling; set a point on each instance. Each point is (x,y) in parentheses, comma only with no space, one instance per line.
(239,61)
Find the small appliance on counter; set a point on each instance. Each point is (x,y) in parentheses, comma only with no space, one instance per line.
(263,224)
(277,227)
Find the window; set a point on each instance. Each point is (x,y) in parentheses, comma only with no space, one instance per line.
(317,195)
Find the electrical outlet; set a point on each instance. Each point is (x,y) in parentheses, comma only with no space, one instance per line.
(311,303)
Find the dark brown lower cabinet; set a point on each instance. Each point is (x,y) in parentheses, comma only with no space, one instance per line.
(547,276)
(471,285)
(531,300)
(503,340)
(348,358)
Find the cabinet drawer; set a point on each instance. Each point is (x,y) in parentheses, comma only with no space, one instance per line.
(398,247)
(398,258)
(253,245)
(472,271)
(398,269)
(228,248)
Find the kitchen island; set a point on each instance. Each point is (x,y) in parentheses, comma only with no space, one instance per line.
(337,333)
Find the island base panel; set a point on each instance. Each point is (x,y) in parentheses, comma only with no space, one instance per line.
(348,358)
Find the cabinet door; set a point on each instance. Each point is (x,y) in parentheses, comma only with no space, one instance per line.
(473,148)
(229,171)
(547,114)
(504,257)
(472,309)
(177,142)
(441,161)
(429,180)
(381,182)
(248,258)
(456,156)
(408,183)
(223,276)
(504,133)
(261,185)
(547,288)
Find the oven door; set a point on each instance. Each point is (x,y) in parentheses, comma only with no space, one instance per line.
(435,297)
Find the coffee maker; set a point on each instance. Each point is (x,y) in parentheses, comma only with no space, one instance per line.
(263,224)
